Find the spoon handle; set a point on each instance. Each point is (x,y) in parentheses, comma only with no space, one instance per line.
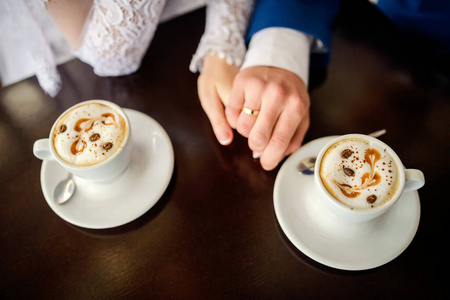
(377,133)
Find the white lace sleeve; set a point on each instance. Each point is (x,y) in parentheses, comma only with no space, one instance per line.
(118,34)
(226,23)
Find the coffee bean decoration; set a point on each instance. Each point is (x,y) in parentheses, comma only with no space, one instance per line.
(107,146)
(94,137)
(349,172)
(371,199)
(62,128)
(346,153)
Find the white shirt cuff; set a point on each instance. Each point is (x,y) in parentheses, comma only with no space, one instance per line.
(283,48)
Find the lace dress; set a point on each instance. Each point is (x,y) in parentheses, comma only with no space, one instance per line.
(120,31)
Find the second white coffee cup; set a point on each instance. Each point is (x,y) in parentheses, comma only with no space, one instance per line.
(408,180)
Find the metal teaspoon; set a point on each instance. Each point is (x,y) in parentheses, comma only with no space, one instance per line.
(64,190)
(306,165)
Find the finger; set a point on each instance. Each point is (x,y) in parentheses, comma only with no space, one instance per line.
(214,109)
(281,138)
(235,103)
(250,111)
(224,92)
(246,121)
(264,126)
(299,135)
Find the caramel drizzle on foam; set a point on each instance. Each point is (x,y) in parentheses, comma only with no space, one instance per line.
(86,124)
(368,179)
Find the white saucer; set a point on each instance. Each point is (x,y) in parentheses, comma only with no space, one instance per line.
(96,205)
(332,242)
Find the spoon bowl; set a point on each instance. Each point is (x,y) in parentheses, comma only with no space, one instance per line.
(306,165)
(64,190)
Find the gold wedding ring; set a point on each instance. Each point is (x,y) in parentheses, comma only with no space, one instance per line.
(249,111)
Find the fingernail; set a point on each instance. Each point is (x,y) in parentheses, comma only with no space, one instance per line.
(256,155)
(225,142)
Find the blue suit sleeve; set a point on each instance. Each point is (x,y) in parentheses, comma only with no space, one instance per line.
(313,17)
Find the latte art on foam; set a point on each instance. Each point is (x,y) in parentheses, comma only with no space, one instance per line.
(359,173)
(89,134)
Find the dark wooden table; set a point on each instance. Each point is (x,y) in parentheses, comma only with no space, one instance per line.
(214,233)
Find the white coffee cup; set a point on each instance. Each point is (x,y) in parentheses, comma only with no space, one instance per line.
(106,170)
(408,180)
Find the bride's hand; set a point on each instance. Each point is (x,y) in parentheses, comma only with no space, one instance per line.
(214,87)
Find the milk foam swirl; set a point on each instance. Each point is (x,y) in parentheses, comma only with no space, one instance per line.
(89,134)
(359,173)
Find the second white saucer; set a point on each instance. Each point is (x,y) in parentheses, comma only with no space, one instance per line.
(330,241)
(99,206)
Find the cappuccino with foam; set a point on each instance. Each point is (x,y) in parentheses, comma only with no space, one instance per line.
(359,173)
(89,134)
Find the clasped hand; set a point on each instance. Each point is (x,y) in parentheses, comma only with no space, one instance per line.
(280,97)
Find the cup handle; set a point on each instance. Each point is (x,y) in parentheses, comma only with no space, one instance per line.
(41,149)
(414,180)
